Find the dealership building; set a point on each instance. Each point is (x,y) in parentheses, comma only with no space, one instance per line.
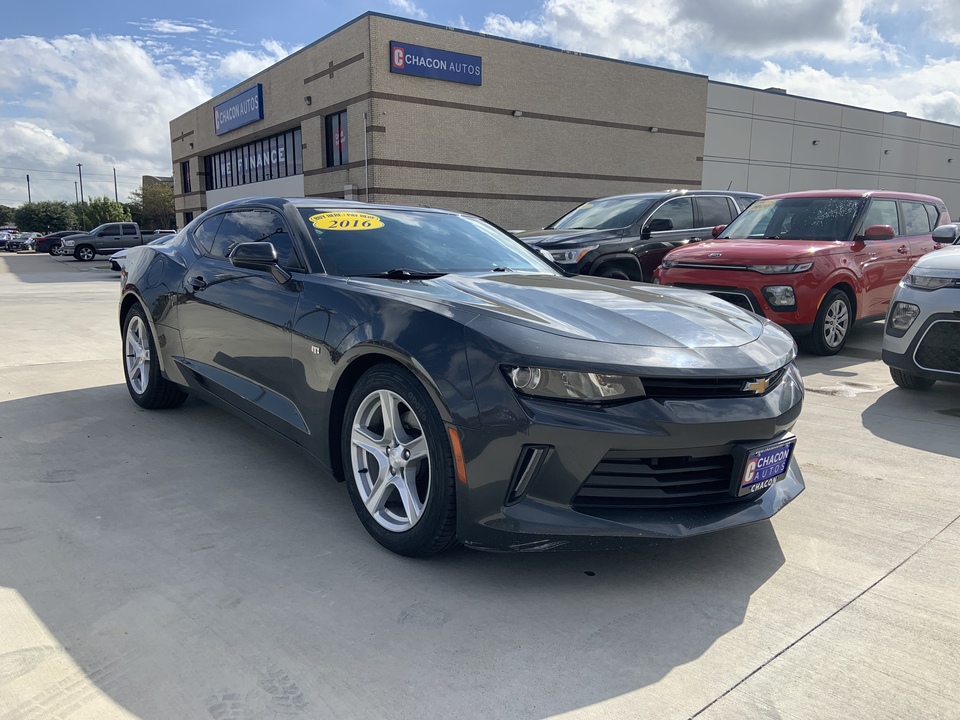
(390,110)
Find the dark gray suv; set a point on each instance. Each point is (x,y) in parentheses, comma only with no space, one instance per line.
(626,236)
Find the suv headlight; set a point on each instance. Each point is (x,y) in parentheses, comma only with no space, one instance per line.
(567,257)
(68,243)
(781,269)
(571,385)
(929,283)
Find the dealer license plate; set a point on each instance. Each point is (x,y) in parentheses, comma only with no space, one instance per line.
(764,466)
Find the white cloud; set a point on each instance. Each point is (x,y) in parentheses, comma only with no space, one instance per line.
(502,26)
(408,8)
(241,64)
(169,27)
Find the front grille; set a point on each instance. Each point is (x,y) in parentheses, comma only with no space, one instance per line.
(939,349)
(708,388)
(741,298)
(628,480)
(738,299)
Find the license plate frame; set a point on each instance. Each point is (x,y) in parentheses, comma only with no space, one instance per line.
(761,465)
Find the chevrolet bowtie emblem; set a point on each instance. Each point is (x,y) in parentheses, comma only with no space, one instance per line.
(758,387)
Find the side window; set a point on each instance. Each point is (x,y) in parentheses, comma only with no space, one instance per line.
(110,231)
(915,219)
(882,212)
(713,210)
(679,210)
(129,229)
(933,212)
(253,226)
(206,232)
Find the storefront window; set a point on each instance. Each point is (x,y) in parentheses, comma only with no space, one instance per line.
(336,131)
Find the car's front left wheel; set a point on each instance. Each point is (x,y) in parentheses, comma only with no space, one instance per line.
(398,464)
(909,381)
(141,368)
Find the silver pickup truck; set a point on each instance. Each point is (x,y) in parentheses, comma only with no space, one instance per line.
(106,239)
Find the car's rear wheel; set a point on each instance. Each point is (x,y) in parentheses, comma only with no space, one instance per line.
(398,464)
(831,326)
(86,253)
(54,248)
(909,381)
(148,388)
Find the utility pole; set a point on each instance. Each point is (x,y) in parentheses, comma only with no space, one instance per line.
(116,195)
(28,190)
(76,195)
(83,218)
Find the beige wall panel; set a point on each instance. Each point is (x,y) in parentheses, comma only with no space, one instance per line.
(818,113)
(901,127)
(862,120)
(768,179)
(897,182)
(771,141)
(825,153)
(803,179)
(932,161)
(857,181)
(860,152)
(899,157)
(721,175)
(936,132)
(727,137)
(775,105)
(730,97)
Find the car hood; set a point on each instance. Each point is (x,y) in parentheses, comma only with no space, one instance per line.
(756,252)
(567,238)
(942,263)
(586,308)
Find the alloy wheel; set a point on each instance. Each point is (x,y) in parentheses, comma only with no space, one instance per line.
(136,351)
(836,322)
(390,460)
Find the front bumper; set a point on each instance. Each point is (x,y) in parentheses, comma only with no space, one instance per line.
(554,514)
(931,345)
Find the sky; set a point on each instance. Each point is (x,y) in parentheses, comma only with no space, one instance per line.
(96,84)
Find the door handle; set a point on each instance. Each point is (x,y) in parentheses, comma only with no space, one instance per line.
(903,250)
(197,282)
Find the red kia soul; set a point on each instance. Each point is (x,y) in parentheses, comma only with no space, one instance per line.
(813,262)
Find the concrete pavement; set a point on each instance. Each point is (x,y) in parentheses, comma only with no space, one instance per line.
(180,564)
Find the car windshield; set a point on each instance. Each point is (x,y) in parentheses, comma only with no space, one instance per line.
(604,214)
(403,243)
(799,218)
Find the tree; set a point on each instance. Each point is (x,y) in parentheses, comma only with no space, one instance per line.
(6,215)
(152,206)
(45,216)
(101,210)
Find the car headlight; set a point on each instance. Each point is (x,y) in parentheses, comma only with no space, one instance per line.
(668,263)
(929,283)
(68,243)
(781,269)
(901,317)
(567,257)
(570,385)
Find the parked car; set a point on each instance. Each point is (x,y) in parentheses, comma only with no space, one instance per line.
(107,239)
(50,243)
(814,261)
(921,338)
(20,241)
(626,236)
(462,386)
(119,259)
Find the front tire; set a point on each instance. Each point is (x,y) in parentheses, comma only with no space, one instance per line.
(831,326)
(148,388)
(85,253)
(908,381)
(398,464)
(613,273)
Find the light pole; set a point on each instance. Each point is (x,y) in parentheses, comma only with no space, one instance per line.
(77,196)
(116,194)
(29,199)
(83,219)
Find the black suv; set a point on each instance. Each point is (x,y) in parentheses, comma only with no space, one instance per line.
(626,236)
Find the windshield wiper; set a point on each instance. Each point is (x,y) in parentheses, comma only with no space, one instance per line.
(404,274)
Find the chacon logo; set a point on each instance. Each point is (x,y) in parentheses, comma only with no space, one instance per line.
(398,53)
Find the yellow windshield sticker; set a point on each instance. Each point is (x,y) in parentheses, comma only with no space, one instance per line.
(346,221)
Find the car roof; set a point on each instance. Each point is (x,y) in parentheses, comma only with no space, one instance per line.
(892,194)
(332,203)
(677,193)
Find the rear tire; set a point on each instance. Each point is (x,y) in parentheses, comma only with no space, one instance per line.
(141,367)
(909,381)
(398,464)
(55,249)
(831,328)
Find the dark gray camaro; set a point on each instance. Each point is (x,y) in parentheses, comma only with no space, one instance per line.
(464,388)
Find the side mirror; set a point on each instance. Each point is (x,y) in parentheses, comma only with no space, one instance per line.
(259,256)
(879,232)
(717,229)
(946,234)
(660,225)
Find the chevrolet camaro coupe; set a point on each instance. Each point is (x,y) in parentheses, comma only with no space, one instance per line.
(463,387)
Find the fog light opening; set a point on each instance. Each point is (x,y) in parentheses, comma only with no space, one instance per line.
(903,315)
(528,465)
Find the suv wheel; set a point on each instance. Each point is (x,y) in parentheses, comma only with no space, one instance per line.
(86,253)
(831,326)
(909,381)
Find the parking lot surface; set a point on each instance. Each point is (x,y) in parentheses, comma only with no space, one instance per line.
(180,564)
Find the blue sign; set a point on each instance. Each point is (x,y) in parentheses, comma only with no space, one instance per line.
(426,62)
(240,110)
